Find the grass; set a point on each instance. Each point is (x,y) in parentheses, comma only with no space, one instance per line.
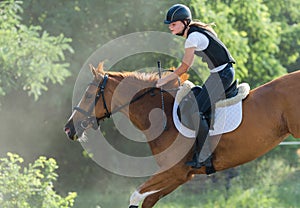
(265,183)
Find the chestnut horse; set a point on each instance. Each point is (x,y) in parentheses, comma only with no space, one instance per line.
(270,113)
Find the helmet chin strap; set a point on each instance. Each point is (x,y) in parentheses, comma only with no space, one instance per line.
(186,24)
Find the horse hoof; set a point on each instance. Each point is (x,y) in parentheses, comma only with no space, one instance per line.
(133,206)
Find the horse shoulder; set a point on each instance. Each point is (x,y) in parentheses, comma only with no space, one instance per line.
(289,95)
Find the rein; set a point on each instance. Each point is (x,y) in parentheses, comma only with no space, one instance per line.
(93,120)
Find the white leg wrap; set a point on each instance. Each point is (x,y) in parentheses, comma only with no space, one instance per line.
(136,197)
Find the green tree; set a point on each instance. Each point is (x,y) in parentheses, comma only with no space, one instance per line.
(263,35)
(253,37)
(32,186)
(287,14)
(29,57)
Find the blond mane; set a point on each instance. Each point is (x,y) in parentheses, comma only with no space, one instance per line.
(142,76)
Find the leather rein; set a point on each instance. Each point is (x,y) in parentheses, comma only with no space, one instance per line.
(93,120)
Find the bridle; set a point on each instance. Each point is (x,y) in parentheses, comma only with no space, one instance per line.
(90,119)
(95,121)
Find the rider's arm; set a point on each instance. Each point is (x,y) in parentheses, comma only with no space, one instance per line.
(186,63)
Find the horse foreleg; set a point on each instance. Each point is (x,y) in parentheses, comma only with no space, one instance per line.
(137,197)
(156,187)
(151,200)
(151,186)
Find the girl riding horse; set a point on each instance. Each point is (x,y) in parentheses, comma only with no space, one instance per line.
(201,40)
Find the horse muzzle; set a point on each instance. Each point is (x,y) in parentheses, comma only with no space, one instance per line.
(76,131)
(70,130)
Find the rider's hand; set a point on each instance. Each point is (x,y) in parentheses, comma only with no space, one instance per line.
(161,82)
(166,79)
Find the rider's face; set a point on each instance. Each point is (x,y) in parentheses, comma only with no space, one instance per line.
(176,27)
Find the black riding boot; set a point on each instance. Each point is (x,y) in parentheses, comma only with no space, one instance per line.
(202,134)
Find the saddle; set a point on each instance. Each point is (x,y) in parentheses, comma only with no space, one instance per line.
(187,110)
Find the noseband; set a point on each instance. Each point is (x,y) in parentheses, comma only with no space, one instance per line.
(93,120)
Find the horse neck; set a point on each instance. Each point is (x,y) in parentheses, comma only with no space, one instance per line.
(126,87)
(145,113)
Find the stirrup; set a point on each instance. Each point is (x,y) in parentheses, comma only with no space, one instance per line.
(207,164)
(194,163)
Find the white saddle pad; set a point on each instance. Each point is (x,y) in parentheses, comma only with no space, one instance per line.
(228,112)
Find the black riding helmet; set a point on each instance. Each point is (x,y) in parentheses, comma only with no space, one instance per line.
(178,12)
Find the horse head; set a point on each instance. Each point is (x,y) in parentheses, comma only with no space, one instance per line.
(85,115)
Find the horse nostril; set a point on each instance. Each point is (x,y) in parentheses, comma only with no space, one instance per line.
(67,130)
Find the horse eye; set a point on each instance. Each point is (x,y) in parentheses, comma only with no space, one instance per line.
(88,96)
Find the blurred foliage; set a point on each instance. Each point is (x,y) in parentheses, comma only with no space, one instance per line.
(29,58)
(36,50)
(32,186)
(264,46)
(286,13)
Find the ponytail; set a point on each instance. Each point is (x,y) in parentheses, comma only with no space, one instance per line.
(205,26)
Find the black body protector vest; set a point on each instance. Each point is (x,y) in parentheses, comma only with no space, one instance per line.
(216,53)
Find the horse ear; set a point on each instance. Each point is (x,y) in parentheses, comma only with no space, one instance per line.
(100,69)
(94,71)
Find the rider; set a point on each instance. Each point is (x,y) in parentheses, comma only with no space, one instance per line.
(202,41)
